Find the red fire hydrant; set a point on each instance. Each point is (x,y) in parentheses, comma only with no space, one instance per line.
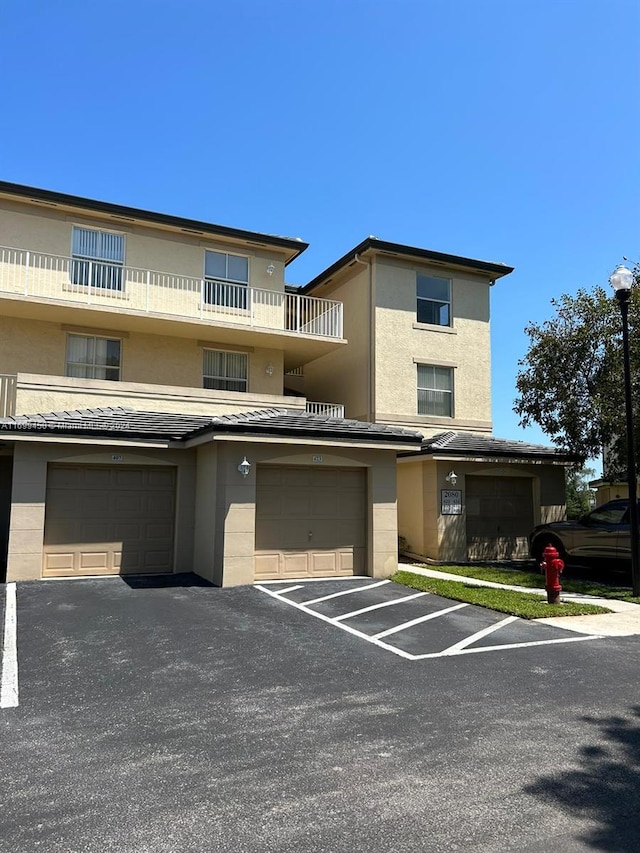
(552,565)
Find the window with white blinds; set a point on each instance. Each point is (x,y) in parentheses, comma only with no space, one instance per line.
(98,258)
(90,357)
(225,371)
(226,279)
(435,390)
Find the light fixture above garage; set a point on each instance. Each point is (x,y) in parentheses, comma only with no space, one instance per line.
(452,477)
(244,467)
(271,269)
(269,369)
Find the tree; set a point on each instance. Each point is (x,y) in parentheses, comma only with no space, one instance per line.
(578,493)
(570,381)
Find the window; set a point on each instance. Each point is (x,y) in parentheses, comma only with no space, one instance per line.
(434,300)
(435,390)
(90,357)
(225,371)
(98,257)
(226,279)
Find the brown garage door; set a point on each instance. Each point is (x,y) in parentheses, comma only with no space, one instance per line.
(108,520)
(310,522)
(499,517)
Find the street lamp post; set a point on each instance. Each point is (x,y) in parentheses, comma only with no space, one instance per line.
(621,281)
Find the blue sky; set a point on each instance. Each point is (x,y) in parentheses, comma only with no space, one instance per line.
(505,129)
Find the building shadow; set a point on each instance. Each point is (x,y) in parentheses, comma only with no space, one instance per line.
(165,581)
(604,788)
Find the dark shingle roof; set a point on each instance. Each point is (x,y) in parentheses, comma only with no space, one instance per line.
(471,444)
(119,422)
(294,245)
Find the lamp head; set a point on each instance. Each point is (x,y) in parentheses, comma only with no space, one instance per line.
(621,281)
(452,477)
(244,467)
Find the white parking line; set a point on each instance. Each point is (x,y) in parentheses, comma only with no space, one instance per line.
(346,592)
(418,621)
(289,589)
(447,653)
(378,606)
(453,651)
(9,682)
(478,635)
(324,618)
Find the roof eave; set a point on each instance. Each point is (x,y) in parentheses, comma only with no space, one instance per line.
(293,246)
(372,244)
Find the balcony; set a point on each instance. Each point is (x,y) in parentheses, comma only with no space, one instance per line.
(77,283)
(29,393)
(332,410)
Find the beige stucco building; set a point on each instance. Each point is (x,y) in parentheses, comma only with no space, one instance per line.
(420,358)
(168,404)
(146,427)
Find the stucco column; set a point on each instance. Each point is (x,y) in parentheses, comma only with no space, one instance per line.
(26,531)
(236,513)
(383,518)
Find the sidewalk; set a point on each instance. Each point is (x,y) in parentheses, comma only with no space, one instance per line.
(624,621)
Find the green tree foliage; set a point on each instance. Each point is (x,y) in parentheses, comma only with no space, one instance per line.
(570,381)
(578,493)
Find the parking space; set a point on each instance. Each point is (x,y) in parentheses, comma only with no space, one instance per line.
(413,625)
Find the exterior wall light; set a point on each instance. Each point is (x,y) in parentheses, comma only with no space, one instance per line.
(244,467)
(452,477)
(269,369)
(271,269)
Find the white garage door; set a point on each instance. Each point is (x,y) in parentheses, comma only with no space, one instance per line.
(310,522)
(108,520)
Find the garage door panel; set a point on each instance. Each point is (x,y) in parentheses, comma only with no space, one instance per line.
(267,565)
(295,564)
(94,560)
(328,503)
(297,504)
(105,519)
(323,562)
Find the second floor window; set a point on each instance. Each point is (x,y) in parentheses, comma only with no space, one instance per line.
(434,300)
(98,258)
(226,279)
(225,371)
(90,357)
(435,390)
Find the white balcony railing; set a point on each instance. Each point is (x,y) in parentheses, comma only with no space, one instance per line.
(333,410)
(7,395)
(100,284)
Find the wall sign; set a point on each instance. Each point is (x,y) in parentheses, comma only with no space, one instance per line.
(116,457)
(317,458)
(451,501)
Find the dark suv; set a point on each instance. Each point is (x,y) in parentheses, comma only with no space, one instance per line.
(601,534)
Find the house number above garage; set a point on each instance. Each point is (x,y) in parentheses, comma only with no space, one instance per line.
(317,458)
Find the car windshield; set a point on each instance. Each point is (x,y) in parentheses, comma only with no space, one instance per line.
(608,514)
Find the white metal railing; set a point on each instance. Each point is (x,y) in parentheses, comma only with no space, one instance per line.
(7,395)
(103,284)
(334,410)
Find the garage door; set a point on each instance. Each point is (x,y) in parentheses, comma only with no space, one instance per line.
(108,520)
(310,522)
(499,517)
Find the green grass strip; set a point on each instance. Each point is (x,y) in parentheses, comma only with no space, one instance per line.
(523,604)
(516,577)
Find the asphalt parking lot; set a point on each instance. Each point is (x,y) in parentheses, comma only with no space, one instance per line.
(182,717)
